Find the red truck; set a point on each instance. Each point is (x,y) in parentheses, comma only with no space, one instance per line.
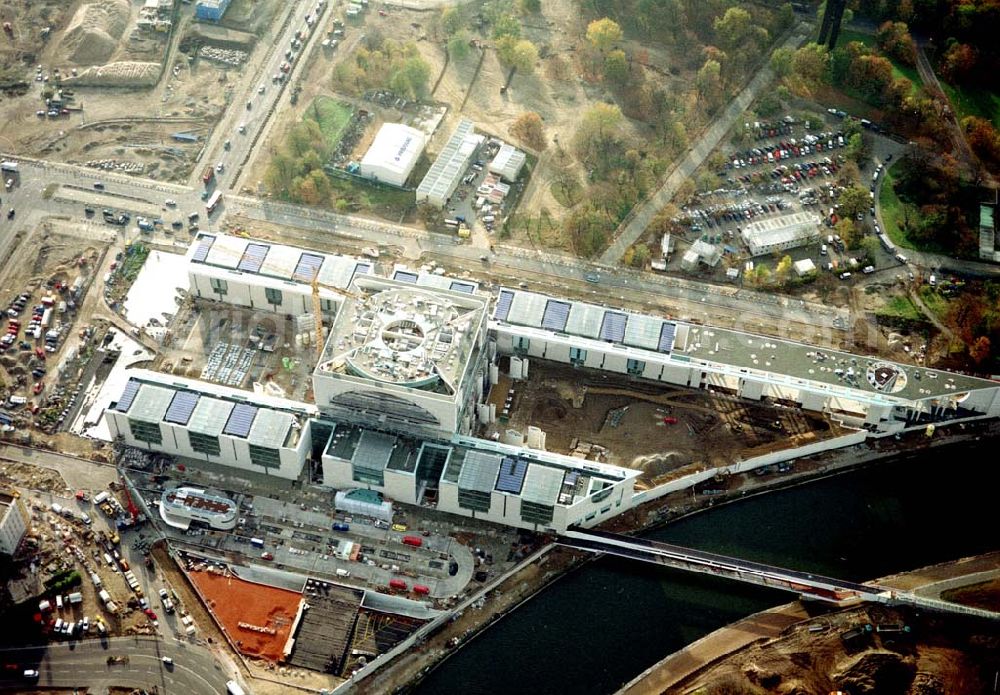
(397,584)
(208,175)
(415,541)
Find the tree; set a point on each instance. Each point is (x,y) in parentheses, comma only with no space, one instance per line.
(847,230)
(640,256)
(857,149)
(853,200)
(870,246)
(603,34)
(616,68)
(519,54)
(507,25)
(983,139)
(451,20)
(458,46)
(529,6)
(760,275)
(958,62)
(733,29)
(784,267)
(782,61)
(810,63)
(529,129)
(280,174)
(709,83)
(980,349)
(893,39)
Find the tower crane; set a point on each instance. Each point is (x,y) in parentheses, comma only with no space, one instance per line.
(318,308)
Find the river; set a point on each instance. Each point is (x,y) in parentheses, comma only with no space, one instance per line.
(600,626)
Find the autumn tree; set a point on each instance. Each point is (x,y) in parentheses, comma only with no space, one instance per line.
(980,349)
(603,34)
(529,129)
(983,139)
(709,84)
(458,46)
(451,20)
(853,200)
(893,39)
(598,135)
(529,6)
(782,61)
(616,68)
(783,269)
(519,54)
(506,25)
(958,62)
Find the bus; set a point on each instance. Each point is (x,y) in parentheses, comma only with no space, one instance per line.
(233,688)
(213,202)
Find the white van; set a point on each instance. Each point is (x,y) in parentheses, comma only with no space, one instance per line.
(59,603)
(822,250)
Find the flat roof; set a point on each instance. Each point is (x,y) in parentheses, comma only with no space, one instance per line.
(264,259)
(479,471)
(450,164)
(373,450)
(866,375)
(779,360)
(397,333)
(542,484)
(270,429)
(211,409)
(593,321)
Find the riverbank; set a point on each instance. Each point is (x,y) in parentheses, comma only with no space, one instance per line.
(719,655)
(410,669)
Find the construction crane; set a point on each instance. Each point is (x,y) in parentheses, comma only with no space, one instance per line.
(318,308)
(133,511)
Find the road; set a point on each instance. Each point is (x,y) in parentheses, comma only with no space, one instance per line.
(698,153)
(257,115)
(83,664)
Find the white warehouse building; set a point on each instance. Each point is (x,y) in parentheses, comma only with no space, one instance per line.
(447,170)
(781,233)
(261,275)
(393,154)
(220,425)
(508,162)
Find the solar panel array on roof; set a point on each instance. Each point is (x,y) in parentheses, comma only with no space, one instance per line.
(512,472)
(128,395)
(253,257)
(405,276)
(556,314)
(479,471)
(181,407)
(503,305)
(307,267)
(613,326)
(204,245)
(667,337)
(462,286)
(240,420)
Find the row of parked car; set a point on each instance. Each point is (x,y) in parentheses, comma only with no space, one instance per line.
(786,149)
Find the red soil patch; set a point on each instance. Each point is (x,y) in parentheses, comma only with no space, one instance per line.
(233,601)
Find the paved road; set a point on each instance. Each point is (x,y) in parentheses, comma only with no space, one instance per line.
(257,116)
(84,664)
(696,155)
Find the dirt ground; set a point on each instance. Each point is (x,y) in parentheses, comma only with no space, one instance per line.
(189,97)
(649,427)
(933,658)
(985,595)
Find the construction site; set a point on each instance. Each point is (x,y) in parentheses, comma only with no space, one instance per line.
(119,87)
(612,418)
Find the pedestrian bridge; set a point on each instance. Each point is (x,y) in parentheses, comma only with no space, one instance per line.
(815,586)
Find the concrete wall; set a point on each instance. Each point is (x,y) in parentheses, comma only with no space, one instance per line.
(400,486)
(337,474)
(13,526)
(248,291)
(443,407)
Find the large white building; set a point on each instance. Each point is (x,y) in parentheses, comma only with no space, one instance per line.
(216,424)
(14,522)
(780,233)
(404,356)
(409,360)
(856,389)
(447,170)
(180,506)
(470,477)
(261,275)
(393,154)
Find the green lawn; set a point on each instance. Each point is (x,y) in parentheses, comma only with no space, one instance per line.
(901,307)
(974,101)
(332,117)
(934,301)
(891,209)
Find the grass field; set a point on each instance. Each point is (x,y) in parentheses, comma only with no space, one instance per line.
(332,116)
(974,101)
(901,307)
(933,300)
(891,209)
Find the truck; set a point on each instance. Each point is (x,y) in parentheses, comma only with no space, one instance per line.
(144,224)
(397,584)
(341,526)
(208,175)
(257,542)
(415,541)
(213,202)
(101,497)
